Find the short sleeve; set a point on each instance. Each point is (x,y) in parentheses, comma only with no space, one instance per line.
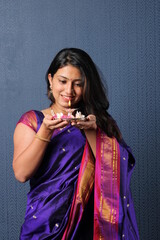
(29,119)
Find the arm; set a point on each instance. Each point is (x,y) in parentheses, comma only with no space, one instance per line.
(28,150)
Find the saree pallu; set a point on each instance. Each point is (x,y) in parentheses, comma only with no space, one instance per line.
(109,174)
(71,183)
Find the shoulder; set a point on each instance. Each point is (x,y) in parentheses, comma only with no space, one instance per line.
(30,119)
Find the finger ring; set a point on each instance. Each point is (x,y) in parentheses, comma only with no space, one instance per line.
(81,127)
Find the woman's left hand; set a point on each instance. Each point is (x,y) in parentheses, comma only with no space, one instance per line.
(89,123)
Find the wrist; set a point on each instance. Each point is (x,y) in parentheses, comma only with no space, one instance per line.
(95,127)
(45,132)
(42,138)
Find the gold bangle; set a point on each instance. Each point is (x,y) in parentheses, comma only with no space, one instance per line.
(41,138)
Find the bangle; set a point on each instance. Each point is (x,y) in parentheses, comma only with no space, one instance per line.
(41,138)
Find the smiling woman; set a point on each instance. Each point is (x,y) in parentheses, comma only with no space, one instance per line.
(79,170)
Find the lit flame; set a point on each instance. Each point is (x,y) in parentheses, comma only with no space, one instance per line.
(69,103)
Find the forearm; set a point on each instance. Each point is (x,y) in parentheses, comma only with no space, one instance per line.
(91,137)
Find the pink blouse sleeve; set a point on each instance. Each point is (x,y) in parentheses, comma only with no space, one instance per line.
(29,119)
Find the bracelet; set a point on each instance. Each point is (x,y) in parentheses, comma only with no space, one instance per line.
(41,138)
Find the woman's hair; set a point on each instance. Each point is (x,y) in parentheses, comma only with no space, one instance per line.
(94,100)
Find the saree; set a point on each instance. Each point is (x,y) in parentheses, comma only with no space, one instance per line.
(76,196)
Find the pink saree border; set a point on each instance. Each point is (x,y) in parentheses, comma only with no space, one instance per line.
(107,187)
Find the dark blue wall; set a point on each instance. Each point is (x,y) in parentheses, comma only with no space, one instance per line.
(123,38)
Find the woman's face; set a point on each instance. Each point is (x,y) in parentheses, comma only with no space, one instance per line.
(66,85)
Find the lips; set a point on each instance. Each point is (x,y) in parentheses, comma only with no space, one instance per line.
(67,98)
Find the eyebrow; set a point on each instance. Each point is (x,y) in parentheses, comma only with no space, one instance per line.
(78,79)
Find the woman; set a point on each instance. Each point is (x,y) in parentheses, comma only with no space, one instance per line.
(79,169)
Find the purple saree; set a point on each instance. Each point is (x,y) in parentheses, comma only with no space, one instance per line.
(74,196)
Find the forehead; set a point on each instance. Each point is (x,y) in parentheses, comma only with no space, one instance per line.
(69,72)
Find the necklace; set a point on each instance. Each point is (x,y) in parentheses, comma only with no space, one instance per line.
(52,112)
(55,111)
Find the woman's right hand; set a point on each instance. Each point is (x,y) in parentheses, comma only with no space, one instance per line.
(50,123)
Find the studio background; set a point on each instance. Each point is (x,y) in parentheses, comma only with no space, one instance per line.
(123,38)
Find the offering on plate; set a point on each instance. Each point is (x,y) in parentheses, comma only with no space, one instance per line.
(69,116)
(79,115)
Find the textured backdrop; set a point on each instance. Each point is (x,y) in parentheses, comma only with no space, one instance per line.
(123,38)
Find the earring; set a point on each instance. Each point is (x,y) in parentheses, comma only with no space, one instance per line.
(50,89)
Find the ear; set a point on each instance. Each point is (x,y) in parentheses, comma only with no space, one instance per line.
(50,79)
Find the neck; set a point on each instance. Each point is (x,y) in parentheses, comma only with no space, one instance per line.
(58,109)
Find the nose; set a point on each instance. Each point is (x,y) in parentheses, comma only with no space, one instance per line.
(69,88)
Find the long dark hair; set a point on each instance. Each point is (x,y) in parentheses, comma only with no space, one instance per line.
(94,99)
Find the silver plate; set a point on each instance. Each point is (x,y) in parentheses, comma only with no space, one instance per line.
(72,119)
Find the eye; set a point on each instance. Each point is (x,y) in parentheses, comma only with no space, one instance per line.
(62,81)
(78,84)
